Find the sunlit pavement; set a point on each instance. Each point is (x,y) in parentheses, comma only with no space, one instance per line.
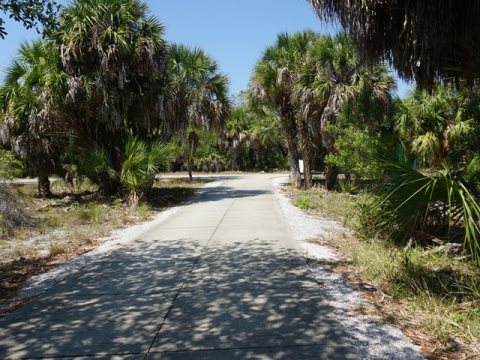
(220,279)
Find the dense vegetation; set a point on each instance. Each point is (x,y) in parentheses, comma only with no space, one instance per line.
(104,83)
(104,97)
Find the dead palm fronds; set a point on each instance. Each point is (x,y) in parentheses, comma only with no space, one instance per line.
(421,39)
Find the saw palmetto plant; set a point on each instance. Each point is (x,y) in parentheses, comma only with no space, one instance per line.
(409,201)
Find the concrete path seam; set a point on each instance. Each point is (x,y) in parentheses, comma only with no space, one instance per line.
(186,277)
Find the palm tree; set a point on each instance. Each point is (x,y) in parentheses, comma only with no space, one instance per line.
(420,39)
(253,139)
(197,94)
(115,59)
(430,124)
(310,107)
(236,134)
(338,79)
(274,83)
(29,110)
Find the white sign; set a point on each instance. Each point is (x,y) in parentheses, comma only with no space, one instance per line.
(300,165)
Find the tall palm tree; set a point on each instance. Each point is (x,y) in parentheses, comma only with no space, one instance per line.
(115,59)
(338,78)
(274,83)
(197,93)
(29,110)
(236,134)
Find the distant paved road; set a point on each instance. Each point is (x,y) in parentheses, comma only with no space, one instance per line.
(219,279)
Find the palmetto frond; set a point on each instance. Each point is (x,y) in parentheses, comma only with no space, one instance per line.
(407,198)
(433,122)
(197,92)
(426,145)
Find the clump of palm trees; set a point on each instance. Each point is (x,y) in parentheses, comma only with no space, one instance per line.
(306,79)
(439,129)
(334,110)
(101,89)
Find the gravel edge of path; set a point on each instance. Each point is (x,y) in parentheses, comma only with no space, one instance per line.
(372,338)
(38,284)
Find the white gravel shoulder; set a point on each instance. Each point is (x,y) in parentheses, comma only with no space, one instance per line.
(38,284)
(371,337)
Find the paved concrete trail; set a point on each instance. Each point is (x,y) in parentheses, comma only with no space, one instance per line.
(220,279)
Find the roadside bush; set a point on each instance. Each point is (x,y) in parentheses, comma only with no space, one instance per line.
(356,152)
(12,214)
(10,167)
(142,161)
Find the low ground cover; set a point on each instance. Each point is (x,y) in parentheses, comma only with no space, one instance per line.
(430,292)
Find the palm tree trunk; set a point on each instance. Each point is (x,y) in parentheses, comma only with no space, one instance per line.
(191,152)
(290,131)
(295,177)
(329,117)
(308,179)
(331,174)
(189,169)
(43,186)
(305,141)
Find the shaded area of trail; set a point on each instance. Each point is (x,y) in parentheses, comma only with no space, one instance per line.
(221,278)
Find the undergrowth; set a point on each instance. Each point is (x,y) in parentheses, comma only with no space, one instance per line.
(442,291)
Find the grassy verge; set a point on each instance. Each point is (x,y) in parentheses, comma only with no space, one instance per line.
(433,296)
(71,223)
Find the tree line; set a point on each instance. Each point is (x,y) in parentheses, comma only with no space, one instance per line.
(102,92)
(104,97)
(417,156)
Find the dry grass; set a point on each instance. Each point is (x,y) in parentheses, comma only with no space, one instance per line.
(335,206)
(69,224)
(12,213)
(432,296)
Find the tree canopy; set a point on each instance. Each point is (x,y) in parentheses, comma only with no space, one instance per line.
(31,13)
(423,40)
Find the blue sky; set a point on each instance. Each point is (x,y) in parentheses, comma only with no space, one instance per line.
(234,32)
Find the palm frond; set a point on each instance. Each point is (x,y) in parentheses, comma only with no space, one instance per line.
(407,198)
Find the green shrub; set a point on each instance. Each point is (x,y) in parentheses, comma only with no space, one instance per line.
(306,202)
(142,162)
(10,167)
(356,152)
